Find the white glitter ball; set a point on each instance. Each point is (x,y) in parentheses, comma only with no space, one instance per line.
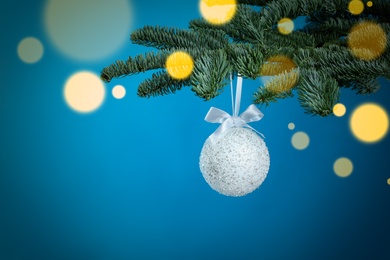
(236,164)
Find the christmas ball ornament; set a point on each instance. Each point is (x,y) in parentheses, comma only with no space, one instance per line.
(236,163)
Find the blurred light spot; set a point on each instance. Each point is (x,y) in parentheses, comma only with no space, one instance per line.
(356,7)
(369,4)
(30,50)
(218,11)
(388,181)
(118,92)
(282,82)
(367,40)
(343,167)
(89,29)
(179,65)
(277,64)
(285,26)
(339,110)
(84,92)
(291,126)
(369,123)
(300,140)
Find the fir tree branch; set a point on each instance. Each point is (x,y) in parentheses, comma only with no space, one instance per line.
(160,84)
(139,63)
(210,74)
(169,38)
(317,92)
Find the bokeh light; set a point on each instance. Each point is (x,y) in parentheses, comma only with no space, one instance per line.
(285,26)
(87,30)
(356,7)
(300,140)
(218,11)
(343,167)
(118,92)
(367,40)
(388,181)
(369,3)
(339,110)
(277,64)
(84,92)
(179,65)
(291,126)
(30,50)
(369,123)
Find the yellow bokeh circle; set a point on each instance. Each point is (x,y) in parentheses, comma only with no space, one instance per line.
(118,92)
(218,11)
(30,50)
(300,140)
(291,126)
(388,181)
(179,65)
(84,92)
(369,3)
(369,123)
(343,167)
(285,26)
(356,7)
(339,110)
(367,40)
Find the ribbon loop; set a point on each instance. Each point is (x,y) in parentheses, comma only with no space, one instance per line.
(216,115)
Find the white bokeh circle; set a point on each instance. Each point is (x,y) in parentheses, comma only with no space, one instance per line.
(88,30)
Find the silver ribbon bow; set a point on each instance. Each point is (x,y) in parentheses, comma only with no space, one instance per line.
(216,115)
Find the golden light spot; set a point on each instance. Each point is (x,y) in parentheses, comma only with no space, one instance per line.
(339,110)
(388,181)
(356,7)
(30,50)
(118,92)
(369,3)
(276,65)
(88,30)
(300,140)
(291,126)
(218,11)
(367,40)
(84,92)
(282,82)
(343,167)
(369,123)
(179,65)
(285,26)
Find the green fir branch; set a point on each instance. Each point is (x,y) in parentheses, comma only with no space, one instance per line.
(317,92)
(160,84)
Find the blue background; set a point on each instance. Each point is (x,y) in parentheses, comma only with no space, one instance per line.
(124,182)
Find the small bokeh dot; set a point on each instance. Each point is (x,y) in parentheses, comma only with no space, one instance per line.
(339,110)
(343,167)
(118,92)
(285,26)
(218,12)
(291,126)
(388,181)
(30,50)
(369,3)
(179,65)
(356,7)
(300,140)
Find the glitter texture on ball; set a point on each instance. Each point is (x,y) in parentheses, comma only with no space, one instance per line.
(236,164)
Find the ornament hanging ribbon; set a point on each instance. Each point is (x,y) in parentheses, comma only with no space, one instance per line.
(216,115)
